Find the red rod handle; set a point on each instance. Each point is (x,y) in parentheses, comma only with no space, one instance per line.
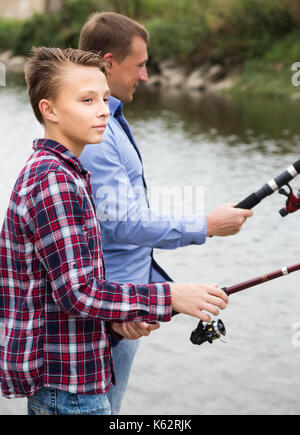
(261,279)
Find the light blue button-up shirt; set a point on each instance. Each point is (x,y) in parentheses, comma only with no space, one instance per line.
(130,229)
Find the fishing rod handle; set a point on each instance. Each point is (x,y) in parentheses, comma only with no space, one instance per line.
(270,187)
(249,202)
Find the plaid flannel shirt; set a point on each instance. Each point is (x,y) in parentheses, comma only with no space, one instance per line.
(55,304)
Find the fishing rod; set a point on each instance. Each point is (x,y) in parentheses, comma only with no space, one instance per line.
(215,329)
(277,183)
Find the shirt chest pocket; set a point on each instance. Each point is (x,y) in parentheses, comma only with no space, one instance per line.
(90,225)
(91,231)
(85,229)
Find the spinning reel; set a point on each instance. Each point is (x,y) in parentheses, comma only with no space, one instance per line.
(208,332)
(292,203)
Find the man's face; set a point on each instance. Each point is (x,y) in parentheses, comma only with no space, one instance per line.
(81,107)
(124,77)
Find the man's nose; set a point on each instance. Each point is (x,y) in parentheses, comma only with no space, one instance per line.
(144,75)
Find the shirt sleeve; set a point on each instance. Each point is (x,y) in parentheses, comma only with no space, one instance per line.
(122,210)
(62,248)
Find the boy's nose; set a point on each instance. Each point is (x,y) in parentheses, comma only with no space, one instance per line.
(106,112)
(103,111)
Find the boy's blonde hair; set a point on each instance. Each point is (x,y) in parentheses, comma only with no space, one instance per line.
(44,69)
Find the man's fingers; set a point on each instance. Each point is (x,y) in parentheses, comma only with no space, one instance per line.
(245,212)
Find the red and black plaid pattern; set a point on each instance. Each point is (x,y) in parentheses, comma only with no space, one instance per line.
(55,305)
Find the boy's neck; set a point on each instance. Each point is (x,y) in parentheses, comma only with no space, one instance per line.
(75,148)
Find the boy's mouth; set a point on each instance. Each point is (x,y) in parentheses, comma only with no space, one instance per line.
(100,126)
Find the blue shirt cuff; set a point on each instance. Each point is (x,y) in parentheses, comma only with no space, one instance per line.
(194,230)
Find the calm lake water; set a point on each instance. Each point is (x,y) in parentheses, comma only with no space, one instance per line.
(231,148)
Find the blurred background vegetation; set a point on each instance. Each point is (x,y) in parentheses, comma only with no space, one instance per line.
(257,34)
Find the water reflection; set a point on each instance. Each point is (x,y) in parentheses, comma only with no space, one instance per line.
(265,124)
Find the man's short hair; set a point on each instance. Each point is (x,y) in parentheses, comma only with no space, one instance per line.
(109,32)
(44,71)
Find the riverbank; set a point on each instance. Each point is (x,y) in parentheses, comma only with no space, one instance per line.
(270,76)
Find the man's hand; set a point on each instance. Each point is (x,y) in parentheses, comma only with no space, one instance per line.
(192,299)
(134,330)
(226,220)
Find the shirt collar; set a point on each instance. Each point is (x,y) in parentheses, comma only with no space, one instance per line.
(60,150)
(115,106)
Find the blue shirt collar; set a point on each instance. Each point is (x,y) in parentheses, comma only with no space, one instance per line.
(114,104)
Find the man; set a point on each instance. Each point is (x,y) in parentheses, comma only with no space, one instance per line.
(130,229)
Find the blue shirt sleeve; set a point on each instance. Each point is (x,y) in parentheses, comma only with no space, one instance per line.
(122,207)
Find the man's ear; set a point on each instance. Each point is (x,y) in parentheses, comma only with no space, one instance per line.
(47,110)
(109,60)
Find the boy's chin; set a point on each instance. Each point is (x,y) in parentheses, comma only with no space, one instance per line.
(95,140)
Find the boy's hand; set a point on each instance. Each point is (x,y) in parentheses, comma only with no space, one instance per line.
(192,299)
(226,220)
(134,330)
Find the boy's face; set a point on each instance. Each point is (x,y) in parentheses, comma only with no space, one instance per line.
(79,113)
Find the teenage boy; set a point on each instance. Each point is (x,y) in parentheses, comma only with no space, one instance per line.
(56,306)
(130,229)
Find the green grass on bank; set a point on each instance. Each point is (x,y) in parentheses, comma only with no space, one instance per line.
(271,74)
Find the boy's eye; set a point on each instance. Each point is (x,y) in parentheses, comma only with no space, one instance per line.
(87,100)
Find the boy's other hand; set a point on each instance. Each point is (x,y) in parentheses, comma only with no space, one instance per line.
(134,330)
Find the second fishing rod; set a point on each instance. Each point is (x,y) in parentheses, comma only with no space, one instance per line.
(216,329)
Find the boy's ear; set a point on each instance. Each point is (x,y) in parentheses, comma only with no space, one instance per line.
(47,110)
